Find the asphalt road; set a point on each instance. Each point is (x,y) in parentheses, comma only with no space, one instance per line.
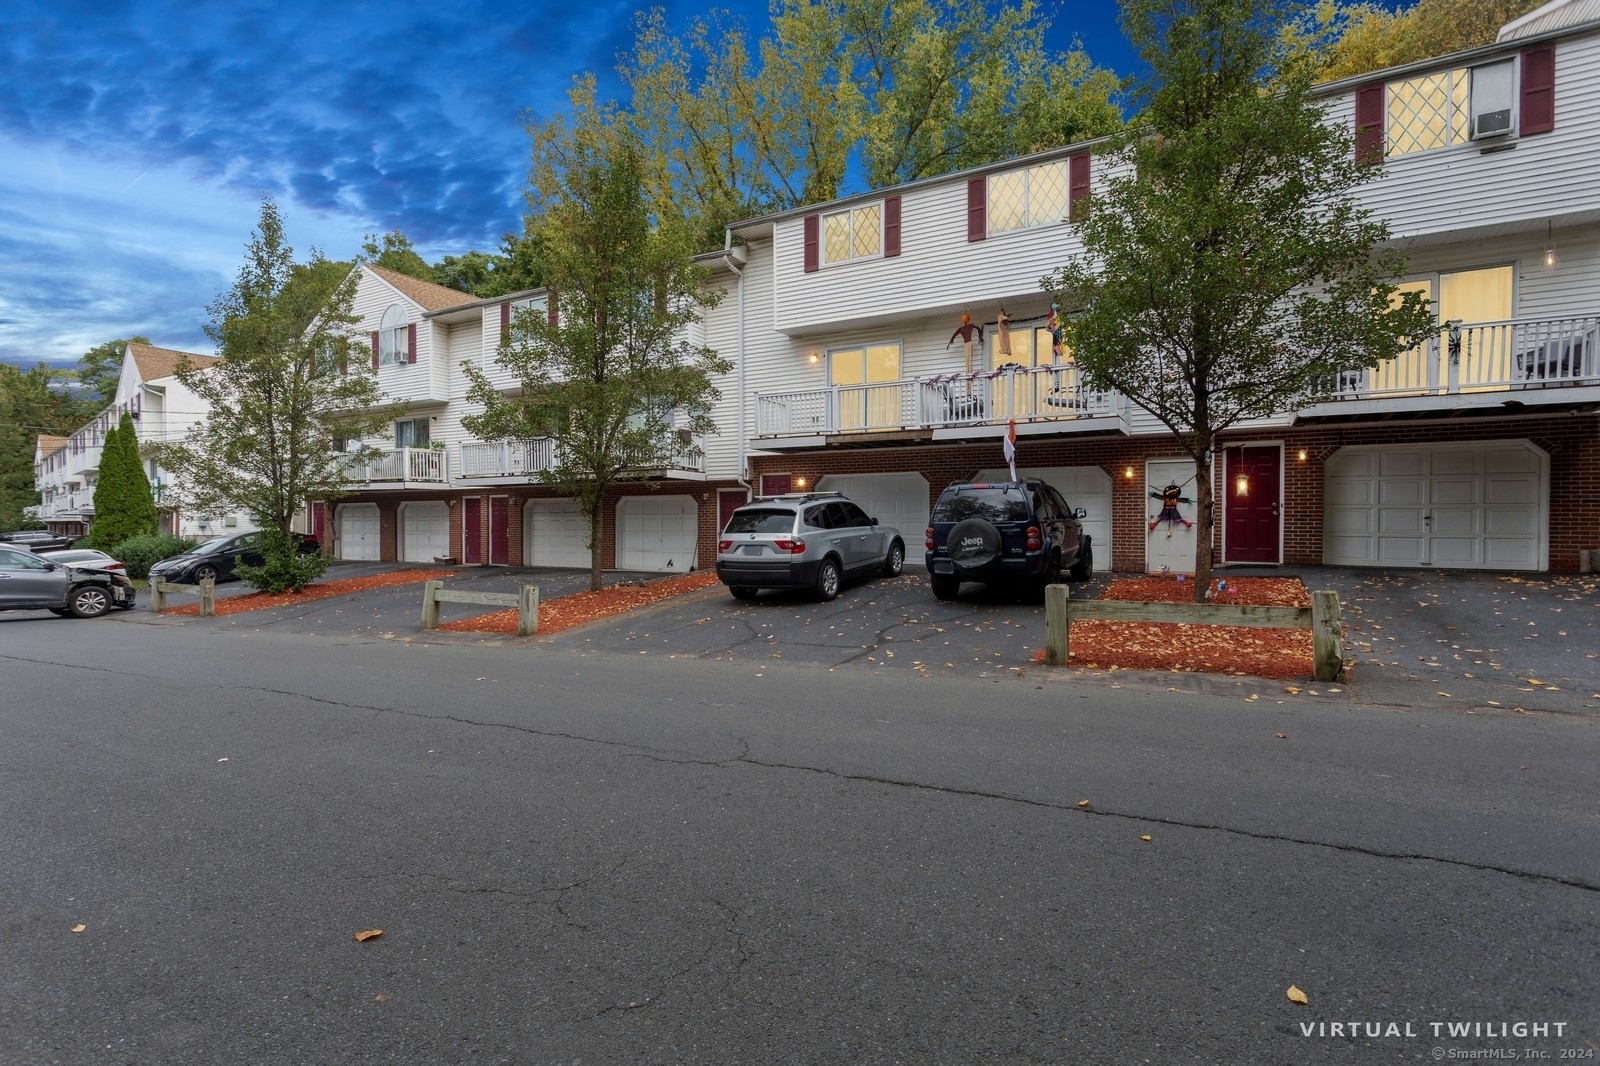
(587,855)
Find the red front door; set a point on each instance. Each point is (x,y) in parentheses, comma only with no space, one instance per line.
(499,530)
(472,530)
(729,501)
(1252,503)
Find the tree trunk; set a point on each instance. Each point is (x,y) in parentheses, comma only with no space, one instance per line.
(596,516)
(1202,527)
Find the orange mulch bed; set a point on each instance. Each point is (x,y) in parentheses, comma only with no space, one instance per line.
(587,606)
(260,601)
(1283,654)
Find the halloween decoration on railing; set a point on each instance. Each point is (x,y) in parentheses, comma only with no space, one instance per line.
(966,331)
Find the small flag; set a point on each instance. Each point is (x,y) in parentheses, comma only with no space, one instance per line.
(1011,448)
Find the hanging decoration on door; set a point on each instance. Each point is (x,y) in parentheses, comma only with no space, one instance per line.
(1170,497)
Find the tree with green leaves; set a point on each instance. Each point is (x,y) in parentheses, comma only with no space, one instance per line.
(100,368)
(32,402)
(123,503)
(395,252)
(731,127)
(612,380)
(294,375)
(1357,38)
(1228,271)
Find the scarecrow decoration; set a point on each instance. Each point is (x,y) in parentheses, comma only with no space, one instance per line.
(966,331)
(1170,497)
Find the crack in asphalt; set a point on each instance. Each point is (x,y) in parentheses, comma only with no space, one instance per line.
(658,755)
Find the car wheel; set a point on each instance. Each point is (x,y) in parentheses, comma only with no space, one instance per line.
(742,592)
(1083,569)
(89,601)
(828,579)
(946,587)
(203,572)
(896,561)
(974,545)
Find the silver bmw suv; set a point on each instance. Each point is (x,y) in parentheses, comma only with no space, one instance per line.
(808,540)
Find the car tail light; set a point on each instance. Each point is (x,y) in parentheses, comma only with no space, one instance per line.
(793,547)
(1034,543)
(927,538)
(724,545)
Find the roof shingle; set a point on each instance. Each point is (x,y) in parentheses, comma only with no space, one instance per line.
(432,297)
(156,362)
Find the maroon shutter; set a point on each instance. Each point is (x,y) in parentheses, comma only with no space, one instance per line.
(891,226)
(1369,125)
(505,320)
(411,343)
(374,350)
(554,312)
(1078,186)
(1538,90)
(810,241)
(977,207)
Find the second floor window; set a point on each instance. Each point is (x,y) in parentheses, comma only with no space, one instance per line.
(1031,196)
(1448,107)
(411,433)
(392,336)
(852,234)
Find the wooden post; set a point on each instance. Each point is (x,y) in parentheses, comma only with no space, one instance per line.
(1327,639)
(1055,625)
(208,597)
(430,604)
(528,610)
(156,595)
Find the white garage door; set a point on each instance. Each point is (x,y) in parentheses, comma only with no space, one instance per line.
(1088,487)
(898,500)
(657,533)
(553,534)
(358,531)
(1473,506)
(424,531)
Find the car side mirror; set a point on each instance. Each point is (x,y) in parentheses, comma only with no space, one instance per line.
(1080,512)
(872,521)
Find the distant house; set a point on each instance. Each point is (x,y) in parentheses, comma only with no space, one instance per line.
(65,469)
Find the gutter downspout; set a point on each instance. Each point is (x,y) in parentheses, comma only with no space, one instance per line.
(734,257)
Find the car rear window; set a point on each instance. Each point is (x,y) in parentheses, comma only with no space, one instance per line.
(997,503)
(765,520)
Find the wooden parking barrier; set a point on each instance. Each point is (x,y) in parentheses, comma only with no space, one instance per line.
(1321,618)
(525,600)
(206,590)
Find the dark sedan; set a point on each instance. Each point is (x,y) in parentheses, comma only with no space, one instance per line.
(215,559)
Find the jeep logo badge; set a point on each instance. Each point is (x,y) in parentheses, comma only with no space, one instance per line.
(972,542)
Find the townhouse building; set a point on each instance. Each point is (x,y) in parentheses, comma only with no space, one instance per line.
(162,409)
(882,344)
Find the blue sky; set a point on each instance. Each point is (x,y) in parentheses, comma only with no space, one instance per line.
(137,138)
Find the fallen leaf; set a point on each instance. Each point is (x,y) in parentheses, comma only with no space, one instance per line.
(1083,803)
(1534,681)
(80,927)
(368,934)
(1291,690)
(223,759)
(1296,996)
(1281,736)
(1146,837)
(380,998)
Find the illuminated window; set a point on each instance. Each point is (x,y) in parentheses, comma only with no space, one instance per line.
(1448,107)
(1032,196)
(853,234)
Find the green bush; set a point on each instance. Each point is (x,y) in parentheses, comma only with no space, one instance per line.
(140,553)
(282,570)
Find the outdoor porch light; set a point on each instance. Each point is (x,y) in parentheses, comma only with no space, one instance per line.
(1550,257)
(1302,455)
(1128,473)
(1241,485)
(799,482)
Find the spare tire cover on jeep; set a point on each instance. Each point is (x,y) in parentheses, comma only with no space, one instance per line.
(974,545)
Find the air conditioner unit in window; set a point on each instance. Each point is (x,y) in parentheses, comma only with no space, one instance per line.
(1492,124)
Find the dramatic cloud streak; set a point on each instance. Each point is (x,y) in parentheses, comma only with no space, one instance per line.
(136,141)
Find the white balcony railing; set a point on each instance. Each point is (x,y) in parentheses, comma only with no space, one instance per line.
(406,465)
(1484,357)
(506,458)
(1033,394)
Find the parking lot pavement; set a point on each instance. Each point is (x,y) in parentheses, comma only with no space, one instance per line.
(1412,637)
(394,611)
